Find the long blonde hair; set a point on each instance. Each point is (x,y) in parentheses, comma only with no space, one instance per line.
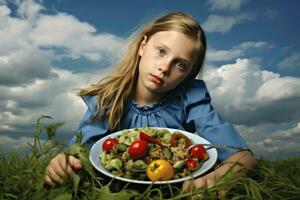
(116,89)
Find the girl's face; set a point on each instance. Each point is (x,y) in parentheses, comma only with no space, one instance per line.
(166,59)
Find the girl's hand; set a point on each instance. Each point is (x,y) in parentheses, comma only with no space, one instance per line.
(58,170)
(240,160)
(206,181)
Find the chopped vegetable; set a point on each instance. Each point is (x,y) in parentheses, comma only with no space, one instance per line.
(116,163)
(179,136)
(139,165)
(167,153)
(179,164)
(166,138)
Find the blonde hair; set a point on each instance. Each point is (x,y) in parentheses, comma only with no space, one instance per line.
(115,90)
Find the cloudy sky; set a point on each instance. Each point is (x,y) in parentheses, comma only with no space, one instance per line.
(48,49)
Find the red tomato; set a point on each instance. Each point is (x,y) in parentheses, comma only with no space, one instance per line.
(198,151)
(108,144)
(138,149)
(191,164)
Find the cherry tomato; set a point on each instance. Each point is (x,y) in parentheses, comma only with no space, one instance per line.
(108,144)
(138,149)
(160,170)
(191,164)
(198,151)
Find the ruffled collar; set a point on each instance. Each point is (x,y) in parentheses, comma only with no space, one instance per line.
(149,107)
(154,107)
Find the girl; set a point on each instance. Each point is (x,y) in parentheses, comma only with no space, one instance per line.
(154,85)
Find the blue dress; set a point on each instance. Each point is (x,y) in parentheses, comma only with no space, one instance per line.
(186,109)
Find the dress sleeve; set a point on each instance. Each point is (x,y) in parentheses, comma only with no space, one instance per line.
(91,130)
(201,115)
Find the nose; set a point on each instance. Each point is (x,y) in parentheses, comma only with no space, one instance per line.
(165,67)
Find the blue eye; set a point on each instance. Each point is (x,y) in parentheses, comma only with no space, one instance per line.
(161,51)
(181,66)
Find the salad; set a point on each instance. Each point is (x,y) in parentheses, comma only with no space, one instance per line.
(151,154)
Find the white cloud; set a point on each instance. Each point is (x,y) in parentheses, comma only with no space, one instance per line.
(20,67)
(222,24)
(55,97)
(222,55)
(292,62)
(29,9)
(237,51)
(64,34)
(20,144)
(288,134)
(278,88)
(225,4)
(245,94)
(253,45)
(13,32)
(278,144)
(76,38)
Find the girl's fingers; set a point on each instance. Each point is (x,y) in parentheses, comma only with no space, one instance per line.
(49,181)
(75,163)
(53,176)
(69,171)
(186,186)
(192,184)
(200,182)
(54,170)
(189,186)
(197,183)
(59,169)
(63,169)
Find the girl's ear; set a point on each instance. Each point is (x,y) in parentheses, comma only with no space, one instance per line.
(142,46)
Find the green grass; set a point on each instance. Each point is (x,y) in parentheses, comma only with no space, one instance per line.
(22,178)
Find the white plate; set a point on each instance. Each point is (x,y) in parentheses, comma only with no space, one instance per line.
(97,149)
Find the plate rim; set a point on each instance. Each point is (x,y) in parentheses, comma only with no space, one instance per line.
(172,130)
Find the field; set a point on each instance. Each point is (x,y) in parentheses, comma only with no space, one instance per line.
(21,177)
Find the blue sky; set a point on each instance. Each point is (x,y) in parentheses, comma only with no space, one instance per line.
(252,67)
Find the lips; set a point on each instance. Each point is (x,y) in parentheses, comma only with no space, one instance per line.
(156,79)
